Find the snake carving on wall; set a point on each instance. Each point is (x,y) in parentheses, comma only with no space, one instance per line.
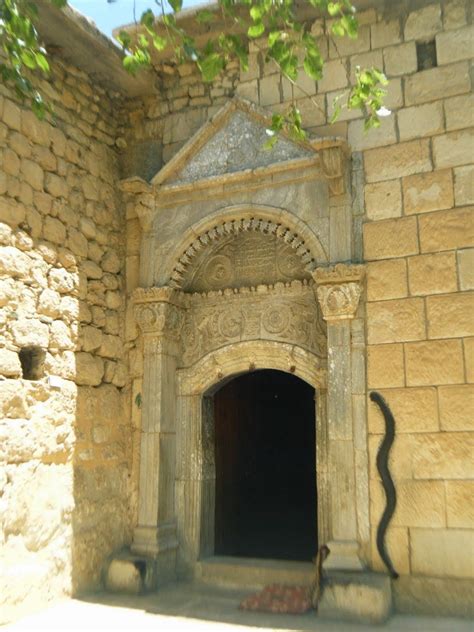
(387,481)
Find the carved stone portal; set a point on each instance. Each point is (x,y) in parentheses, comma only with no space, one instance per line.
(236,235)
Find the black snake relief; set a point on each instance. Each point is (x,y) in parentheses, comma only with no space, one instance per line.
(388,486)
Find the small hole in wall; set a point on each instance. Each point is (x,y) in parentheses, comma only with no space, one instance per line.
(426,55)
(32,362)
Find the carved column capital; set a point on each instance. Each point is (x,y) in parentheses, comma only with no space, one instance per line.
(333,165)
(338,289)
(159,312)
(140,197)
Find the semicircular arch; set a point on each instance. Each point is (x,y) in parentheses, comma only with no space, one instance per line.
(230,220)
(211,370)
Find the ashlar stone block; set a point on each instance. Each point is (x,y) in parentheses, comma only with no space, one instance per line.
(387,279)
(446,230)
(396,321)
(454,149)
(442,552)
(419,503)
(420,120)
(385,366)
(450,315)
(466,268)
(437,83)
(427,192)
(390,239)
(444,455)
(415,410)
(459,505)
(434,362)
(464,185)
(383,200)
(399,160)
(432,274)
(454,45)
(456,407)
(424,23)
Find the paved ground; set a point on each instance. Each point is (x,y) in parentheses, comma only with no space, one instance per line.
(189,608)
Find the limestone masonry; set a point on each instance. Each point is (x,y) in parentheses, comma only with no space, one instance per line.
(150,249)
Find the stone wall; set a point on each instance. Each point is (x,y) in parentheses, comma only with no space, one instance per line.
(66,498)
(413,181)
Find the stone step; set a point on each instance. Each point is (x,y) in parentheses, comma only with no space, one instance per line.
(248,573)
(358,596)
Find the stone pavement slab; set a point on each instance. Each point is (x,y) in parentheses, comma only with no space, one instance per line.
(197,608)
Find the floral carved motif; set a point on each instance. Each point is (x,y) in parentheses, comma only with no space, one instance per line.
(158,311)
(338,290)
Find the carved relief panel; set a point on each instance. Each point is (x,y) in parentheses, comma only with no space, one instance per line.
(243,260)
(285,312)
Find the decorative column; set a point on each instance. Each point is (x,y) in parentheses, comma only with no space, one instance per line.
(338,290)
(159,314)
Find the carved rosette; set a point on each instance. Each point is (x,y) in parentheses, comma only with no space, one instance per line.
(159,312)
(338,289)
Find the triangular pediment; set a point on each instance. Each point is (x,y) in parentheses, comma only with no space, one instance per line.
(232,141)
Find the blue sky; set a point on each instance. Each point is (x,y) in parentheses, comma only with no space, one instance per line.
(108,16)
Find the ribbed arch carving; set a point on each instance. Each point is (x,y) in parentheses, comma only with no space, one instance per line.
(265,220)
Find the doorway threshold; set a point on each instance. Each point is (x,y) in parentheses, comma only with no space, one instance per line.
(252,573)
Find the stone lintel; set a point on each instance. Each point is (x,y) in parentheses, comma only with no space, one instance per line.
(338,290)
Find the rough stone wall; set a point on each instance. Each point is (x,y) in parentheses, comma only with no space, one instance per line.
(65,441)
(413,184)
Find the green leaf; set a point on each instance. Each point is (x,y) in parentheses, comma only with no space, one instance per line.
(313,67)
(42,62)
(124,38)
(334,8)
(159,42)
(28,58)
(176,5)
(148,18)
(210,66)
(256,30)
(256,13)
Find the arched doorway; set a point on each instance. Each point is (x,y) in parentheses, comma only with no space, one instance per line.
(265,449)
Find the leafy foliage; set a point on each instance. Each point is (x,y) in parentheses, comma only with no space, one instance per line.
(21,49)
(272,25)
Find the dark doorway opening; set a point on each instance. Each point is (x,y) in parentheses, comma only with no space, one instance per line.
(266,499)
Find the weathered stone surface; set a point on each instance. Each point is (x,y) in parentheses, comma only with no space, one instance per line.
(454,45)
(400,60)
(419,503)
(424,23)
(61,281)
(30,332)
(459,505)
(383,200)
(123,575)
(54,230)
(9,363)
(432,274)
(391,238)
(414,409)
(459,112)
(421,120)
(446,230)
(464,185)
(428,192)
(444,455)
(359,139)
(396,321)
(437,83)
(385,33)
(365,598)
(385,366)
(387,279)
(465,260)
(442,552)
(89,369)
(398,160)
(13,262)
(434,362)
(451,315)
(456,404)
(451,150)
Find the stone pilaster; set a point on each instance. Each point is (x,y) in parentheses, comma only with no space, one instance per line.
(338,289)
(159,314)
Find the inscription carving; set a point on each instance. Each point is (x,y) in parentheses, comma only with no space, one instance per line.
(242,252)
